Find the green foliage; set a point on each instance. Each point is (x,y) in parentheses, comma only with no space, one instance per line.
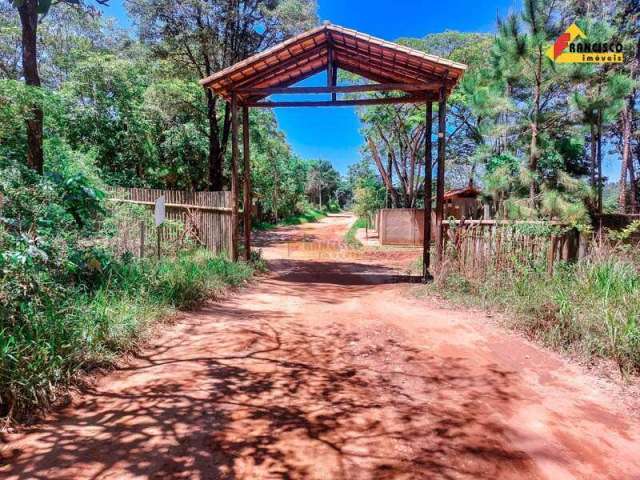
(278,176)
(308,215)
(626,233)
(44,222)
(366,200)
(66,300)
(322,181)
(110,119)
(589,308)
(50,345)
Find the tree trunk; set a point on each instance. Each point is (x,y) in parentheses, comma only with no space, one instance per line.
(502,141)
(625,167)
(633,187)
(386,176)
(217,146)
(533,149)
(533,163)
(600,186)
(594,154)
(29,21)
(390,203)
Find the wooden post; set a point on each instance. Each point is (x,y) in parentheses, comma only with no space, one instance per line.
(442,126)
(551,254)
(234,177)
(158,233)
(331,71)
(141,239)
(428,173)
(247,183)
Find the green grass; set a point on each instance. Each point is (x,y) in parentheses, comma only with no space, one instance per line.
(350,237)
(309,215)
(590,308)
(40,356)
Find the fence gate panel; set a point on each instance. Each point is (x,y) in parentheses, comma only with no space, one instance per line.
(206,216)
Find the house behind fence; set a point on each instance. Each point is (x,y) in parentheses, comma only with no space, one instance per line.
(202,218)
(405,226)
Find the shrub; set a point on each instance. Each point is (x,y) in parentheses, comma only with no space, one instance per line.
(67,301)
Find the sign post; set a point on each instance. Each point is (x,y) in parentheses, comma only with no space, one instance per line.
(159,213)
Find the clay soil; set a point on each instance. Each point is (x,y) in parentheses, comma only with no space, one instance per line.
(328,368)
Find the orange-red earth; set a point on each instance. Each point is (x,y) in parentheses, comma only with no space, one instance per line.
(328,368)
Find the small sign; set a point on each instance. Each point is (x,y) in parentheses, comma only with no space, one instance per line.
(159,211)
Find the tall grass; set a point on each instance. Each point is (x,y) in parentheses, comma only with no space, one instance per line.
(350,237)
(43,353)
(590,308)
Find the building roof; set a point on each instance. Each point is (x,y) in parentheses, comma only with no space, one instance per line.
(311,52)
(466,192)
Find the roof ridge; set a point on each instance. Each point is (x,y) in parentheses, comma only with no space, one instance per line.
(413,63)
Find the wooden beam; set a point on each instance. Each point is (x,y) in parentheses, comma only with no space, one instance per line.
(283,80)
(234,177)
(442,127)
(380,77)
(373,87)
(343,53)
(331,68)
(428,173)
(184,206)
(334,80)
(340,103)
(247,183)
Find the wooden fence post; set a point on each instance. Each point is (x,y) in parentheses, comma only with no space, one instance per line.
(158,232)
(551,254)
(234,177)
(442,127)
(247,183)
(141,238)
(428,178)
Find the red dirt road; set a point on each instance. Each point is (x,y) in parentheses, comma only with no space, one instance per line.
(329,369)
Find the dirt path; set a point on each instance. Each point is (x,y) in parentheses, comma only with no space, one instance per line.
(330,370)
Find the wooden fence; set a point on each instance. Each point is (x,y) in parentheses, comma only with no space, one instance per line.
(477,245)
(200,217)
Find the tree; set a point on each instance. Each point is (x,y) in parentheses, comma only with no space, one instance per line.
(201,37)
(539,79)
(278,177)
(600,104)
(30,12)
(110,117)
(397,133)
(368,192)
(322,180)
(627,23)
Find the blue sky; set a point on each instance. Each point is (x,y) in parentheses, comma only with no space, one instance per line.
(333,133)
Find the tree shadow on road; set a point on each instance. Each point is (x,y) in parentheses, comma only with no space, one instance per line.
(269,399)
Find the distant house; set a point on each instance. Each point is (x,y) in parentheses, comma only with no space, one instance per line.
(462,203)
(405,226)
